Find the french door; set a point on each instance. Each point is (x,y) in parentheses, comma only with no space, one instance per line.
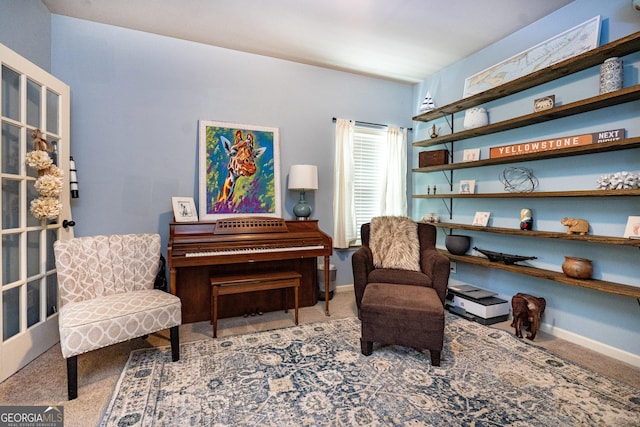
(30,99)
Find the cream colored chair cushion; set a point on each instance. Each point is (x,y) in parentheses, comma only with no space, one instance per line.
(106,291)
(96,323)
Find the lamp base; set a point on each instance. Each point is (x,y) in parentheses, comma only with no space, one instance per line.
(302,210)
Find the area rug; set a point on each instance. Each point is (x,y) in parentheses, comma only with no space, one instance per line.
(315,375)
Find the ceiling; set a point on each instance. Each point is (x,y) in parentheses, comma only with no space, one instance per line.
(401,40)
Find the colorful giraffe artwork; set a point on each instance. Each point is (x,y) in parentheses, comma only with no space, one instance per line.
(242,157)
(239,170)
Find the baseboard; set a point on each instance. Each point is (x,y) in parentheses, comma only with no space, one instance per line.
(344,288)
(615,353)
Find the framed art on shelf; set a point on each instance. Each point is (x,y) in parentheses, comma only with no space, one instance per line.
(471,154)
(632,230)
(572,42)
(481,219)
(467,186)
(239,170)
(184,209)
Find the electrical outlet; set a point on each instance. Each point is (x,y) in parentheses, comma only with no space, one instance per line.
(452,266)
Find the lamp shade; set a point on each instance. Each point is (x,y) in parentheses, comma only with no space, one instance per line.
(303,177)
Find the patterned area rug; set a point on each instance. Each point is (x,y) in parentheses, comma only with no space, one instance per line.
(315,375)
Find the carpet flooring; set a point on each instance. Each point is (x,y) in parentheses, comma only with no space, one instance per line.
(314,374)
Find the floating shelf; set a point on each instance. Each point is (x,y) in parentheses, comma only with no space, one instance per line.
(599,285)
(609,240)
(591,58)
(594,103)
(604,147)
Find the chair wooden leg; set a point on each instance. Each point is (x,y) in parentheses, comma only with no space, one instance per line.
(72,377)
(175,343)
(366,347)
(435,357)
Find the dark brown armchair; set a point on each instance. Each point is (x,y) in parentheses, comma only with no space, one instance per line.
(400,306)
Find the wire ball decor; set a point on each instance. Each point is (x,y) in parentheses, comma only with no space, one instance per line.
(518,180)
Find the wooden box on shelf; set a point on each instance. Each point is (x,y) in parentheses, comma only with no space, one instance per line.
(433,158)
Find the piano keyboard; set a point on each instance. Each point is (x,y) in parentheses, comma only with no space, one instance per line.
(253,251)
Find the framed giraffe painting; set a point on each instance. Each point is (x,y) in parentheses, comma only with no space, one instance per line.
(239,170)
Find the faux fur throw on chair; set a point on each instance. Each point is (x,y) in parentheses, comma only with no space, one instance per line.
(394,243)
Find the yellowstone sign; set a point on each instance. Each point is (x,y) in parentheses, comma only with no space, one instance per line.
(556,143)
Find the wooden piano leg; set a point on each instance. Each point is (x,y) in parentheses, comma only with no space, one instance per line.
(327,281)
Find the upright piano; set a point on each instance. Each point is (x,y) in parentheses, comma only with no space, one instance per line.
(200,250)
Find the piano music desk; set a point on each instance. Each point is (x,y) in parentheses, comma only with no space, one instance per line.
(239,284)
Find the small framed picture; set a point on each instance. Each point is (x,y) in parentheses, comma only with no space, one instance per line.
(481,219)
(471,155)
(467,186)
(184,209)
(632,230)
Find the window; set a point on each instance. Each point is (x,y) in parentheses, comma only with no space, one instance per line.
(370,168)
(369,158)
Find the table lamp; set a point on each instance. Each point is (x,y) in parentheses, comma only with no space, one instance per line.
(303,177)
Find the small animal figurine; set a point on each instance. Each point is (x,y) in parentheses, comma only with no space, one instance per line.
(526,219)
(527,311)
(576,225)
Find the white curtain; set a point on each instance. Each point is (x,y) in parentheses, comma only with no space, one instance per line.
(344,218)
(394,183)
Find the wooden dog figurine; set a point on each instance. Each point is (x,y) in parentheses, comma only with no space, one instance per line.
(527,311)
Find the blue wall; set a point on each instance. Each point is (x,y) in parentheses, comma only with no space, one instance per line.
(573,312)
(25,27)
(136,102)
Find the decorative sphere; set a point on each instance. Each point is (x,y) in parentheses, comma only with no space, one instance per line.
(457,245)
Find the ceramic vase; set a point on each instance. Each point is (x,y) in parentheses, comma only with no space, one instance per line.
(611,75)
(577,268)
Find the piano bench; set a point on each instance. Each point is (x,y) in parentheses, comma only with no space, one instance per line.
(238,284)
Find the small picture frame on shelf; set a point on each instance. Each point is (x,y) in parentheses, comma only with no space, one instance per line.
(481,219)
(632,230)
(544,103)
(467,186)
(184,209)
(471,155)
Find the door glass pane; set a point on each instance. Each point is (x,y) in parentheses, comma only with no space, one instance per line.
(54,151)
(10,203)
(10,93)
(52,294)
(10,258)
(32,194)
(33,103)
(10,313)
(52,112)
(33,253)
(52,236)
(10,149)
(33,302)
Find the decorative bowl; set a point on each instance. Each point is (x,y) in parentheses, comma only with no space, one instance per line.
(577,268)
(457,245)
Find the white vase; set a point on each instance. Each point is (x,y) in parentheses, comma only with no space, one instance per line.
(475,117)
(611,75)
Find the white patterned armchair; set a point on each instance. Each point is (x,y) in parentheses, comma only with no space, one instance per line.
(107,295)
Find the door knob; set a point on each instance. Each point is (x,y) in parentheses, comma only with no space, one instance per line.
(67,223)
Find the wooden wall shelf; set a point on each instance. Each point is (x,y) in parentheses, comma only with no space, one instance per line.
(533,195)
(623,144)
(599,285)
(609,240)
(600,101)
(593,57)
